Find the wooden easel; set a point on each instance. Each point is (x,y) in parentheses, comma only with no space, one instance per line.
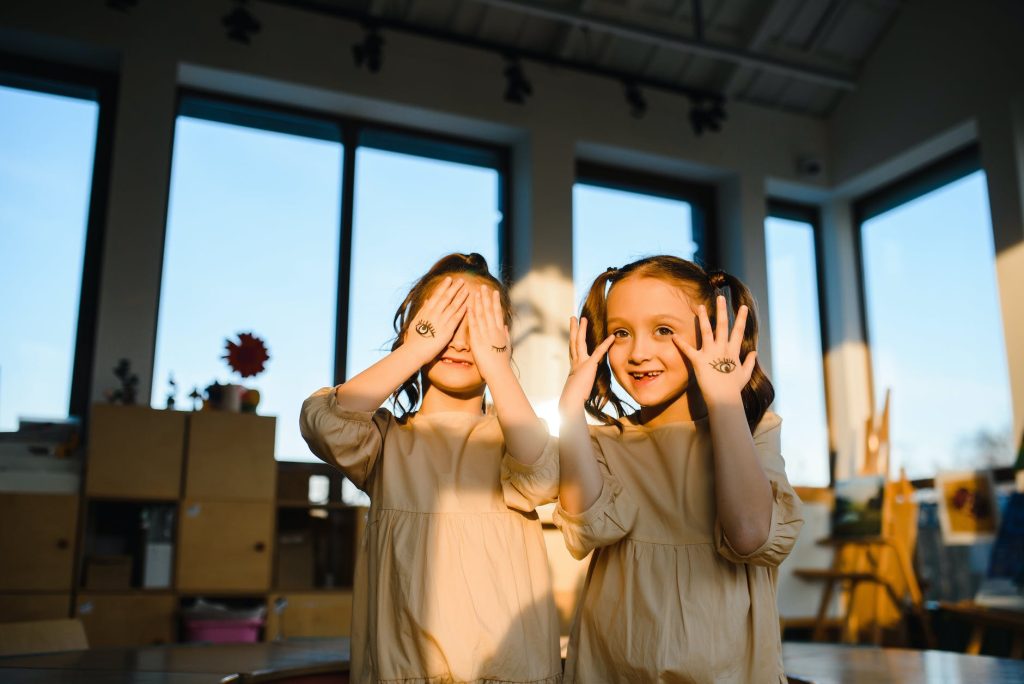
(876,572)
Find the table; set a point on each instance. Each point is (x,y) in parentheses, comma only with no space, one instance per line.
(244,663)
(982,617)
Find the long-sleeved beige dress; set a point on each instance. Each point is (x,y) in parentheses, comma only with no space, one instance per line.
(452,581)
(666,598)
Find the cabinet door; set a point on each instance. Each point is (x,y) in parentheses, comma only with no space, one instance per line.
(37,541)
(230,457)
(128,619)
(32,607)
(135,452)
(312,614)
(225,545)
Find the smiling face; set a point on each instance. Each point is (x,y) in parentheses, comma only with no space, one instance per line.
(643,313)
(453,370)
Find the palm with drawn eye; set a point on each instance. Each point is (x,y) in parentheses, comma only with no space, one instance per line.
(582,365)
(716,364)
(432,327)
(489,339)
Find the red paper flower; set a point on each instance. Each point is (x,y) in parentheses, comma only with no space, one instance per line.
(247,356)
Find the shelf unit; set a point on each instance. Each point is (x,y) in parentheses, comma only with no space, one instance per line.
(197,500)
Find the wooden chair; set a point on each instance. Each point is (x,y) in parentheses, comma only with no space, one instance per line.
(877,573)
(42,636)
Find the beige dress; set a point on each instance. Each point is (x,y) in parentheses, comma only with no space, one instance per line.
(666,598)
(452,581)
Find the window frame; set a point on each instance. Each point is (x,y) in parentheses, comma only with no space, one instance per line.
(701,198)
(353,133)
(811,214)
(53,78)
(906,188)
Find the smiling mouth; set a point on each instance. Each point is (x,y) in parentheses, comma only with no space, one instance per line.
(648,375)
(456,362)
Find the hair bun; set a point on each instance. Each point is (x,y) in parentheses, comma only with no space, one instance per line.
(476,260)
(718,279)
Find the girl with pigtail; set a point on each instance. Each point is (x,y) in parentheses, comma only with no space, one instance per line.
(452,581)
(684,503)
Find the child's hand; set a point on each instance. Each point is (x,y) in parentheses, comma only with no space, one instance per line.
(489,340)
(716,364)
(434,325)
(582,366)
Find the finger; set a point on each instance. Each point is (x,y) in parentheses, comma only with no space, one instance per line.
(721,320)
(603,348)
(487,301)
(460,300)
(499,317)
(706,336)
(685,347)
(738,328)
(573,329)
(439,292)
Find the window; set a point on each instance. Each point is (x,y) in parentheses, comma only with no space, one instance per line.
(797,362)
(659,215)
(410,210)
(933,319)
(252,245)
(307,232)
(48,148)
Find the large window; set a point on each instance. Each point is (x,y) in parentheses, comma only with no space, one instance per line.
(797,367)
(252,245)
(48,145)
(619,217)
(934,322)
(306,232)
(410,210)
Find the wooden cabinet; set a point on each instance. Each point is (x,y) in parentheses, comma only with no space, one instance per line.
(230,457)
(37,541)
(225,546)
(32,607)
(132,619)
(135,452)
(309,614)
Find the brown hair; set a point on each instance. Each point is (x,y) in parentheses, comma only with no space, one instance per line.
(701,287)
(407,396)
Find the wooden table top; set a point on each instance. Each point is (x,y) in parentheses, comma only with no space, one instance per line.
(212,664)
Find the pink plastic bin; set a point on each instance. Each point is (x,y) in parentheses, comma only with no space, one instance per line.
(223,631)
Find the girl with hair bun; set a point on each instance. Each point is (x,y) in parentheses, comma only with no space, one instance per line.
(684,504)
(452,581)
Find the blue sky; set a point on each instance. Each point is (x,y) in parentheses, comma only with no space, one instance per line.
(253,240)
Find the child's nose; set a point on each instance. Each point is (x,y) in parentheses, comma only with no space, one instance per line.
(639,351)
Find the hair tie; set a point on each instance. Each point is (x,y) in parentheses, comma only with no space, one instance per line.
(611,269)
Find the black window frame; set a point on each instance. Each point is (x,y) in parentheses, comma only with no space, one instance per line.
(54,78)
(353,133)
(811,214)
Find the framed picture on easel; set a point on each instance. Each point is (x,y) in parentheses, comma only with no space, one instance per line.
(968,509)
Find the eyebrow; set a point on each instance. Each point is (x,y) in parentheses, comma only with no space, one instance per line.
(659,317)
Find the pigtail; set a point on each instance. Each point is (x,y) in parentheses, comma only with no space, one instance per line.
(595,311)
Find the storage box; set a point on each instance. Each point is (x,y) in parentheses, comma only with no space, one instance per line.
(223,631)
(108,572)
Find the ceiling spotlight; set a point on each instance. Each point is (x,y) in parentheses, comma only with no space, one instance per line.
(122,5)
(636,100)
(241,25)
(369,52)
(517,88)
(707,116)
